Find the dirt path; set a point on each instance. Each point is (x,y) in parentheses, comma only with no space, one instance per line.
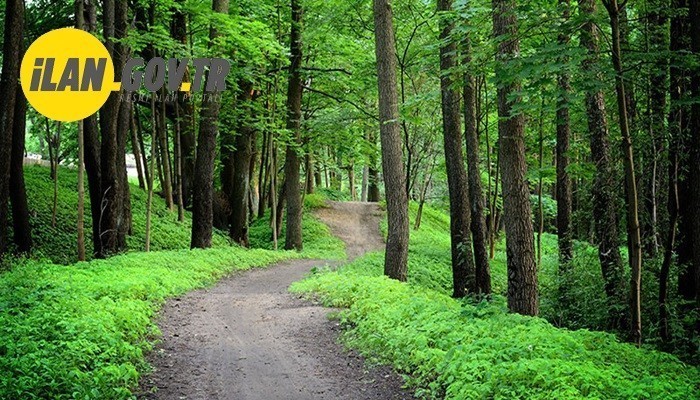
(247,338)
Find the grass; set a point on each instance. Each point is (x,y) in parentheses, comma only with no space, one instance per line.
(458,349)
(59,244)
(80,331)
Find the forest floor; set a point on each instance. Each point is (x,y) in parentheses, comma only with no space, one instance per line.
(248,338)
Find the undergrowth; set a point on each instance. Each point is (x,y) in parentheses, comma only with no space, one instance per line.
(69,332)
(58,243)
(461,350)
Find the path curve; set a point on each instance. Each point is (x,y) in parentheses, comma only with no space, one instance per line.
(247,338)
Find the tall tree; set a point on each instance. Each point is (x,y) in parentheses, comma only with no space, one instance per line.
(9,78)
(605,184)
(238,196)
(293,239)
(520,248)
(463,273)
(203,186)
(634,241)
(396,257)
(564,199)
(694,267)
(21,228)
(114,219)
(476,196)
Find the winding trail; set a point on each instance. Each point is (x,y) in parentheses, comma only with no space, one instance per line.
(248,338)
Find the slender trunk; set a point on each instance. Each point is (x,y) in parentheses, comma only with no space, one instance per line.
(476,196)
(309,167)
(178,164)
(522,269)
(293,239)
(203,192)
(563,186)
(149,204)
(605,185)
(365,183)
(56,145)
(238,197)
(137,151)
(695,161)
(165,155)
(463,270)
(633,232)
(396,257)
(540,187)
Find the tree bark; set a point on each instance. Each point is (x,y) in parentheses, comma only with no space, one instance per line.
(694,267)
(605,184)
(634,241)
(238,197)
(114,218)
(293,239)
(21,228)
(522,269)
(203,185)
(463,270)
(178,31)
(9,84)
(563,189)
(137,151)
(165,154)
(396,256)
(476,196)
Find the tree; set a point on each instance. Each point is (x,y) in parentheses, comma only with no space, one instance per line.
(476,196)
(634,241)
(694,267)
(564,198)
(522,269)
(293,239)
(114,220)
(396,257)
(463,273)
(238,196)
(203,186)
(9,78)
(604,186)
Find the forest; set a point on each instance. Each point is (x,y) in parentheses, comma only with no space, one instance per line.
(460,199)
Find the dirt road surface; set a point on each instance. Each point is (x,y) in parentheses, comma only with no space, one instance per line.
(247,338)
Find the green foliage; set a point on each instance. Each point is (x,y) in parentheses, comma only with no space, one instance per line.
(461,350)
(81,331)
(59,244)
(318,241)
(314,201)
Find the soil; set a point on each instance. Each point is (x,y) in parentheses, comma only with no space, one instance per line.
(248,338)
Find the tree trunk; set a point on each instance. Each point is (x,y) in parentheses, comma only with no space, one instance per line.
(396,257)
(9,79)
(137,151)
(694,267)
(114,222)
(309,167)
(203,185)
(634,241)
(165,154)
(149,204)
(178,31)
(476,196)
(463,270)
(21,228)
(605,184)
(522,269)
(293,239)
(238,197)
(563,189)
(178,162)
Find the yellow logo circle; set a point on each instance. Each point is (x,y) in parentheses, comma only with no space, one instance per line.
(67,74)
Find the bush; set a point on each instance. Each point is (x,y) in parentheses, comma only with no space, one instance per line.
(81,331)
(461,350)
(59,244)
